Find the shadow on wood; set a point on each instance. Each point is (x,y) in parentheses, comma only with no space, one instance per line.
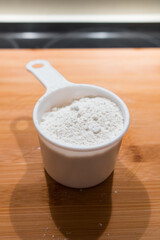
(40,208)
(80,213)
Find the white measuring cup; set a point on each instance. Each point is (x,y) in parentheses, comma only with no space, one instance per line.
(77,167)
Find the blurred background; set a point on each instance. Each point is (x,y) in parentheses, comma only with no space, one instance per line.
(79,24)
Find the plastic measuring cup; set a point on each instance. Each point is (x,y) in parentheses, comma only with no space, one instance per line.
(77,167)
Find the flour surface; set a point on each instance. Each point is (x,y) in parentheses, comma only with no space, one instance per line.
(88,121)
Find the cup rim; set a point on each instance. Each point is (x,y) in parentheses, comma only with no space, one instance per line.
(80,148)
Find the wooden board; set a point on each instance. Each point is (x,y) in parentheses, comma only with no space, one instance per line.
(127,205)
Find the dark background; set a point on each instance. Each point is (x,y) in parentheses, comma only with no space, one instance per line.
(79,35)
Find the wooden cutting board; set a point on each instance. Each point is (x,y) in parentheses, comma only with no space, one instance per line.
(124,207)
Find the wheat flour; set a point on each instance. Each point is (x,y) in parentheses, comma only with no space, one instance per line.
(88,121)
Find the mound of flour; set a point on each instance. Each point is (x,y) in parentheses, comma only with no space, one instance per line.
(85,122)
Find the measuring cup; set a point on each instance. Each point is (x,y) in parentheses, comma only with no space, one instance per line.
(76,167)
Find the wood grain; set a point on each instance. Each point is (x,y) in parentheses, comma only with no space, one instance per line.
(127,205)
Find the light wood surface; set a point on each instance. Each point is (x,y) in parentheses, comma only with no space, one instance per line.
(127,205)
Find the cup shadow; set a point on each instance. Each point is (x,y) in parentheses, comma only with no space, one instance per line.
(40,208)
(80,213)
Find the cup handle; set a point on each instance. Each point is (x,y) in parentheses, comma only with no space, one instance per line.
(48,76)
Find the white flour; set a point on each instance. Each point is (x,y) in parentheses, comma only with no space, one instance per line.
(85,122)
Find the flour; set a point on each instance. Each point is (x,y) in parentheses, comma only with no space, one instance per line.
(88,121)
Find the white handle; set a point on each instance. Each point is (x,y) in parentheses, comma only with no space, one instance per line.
(47,75)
